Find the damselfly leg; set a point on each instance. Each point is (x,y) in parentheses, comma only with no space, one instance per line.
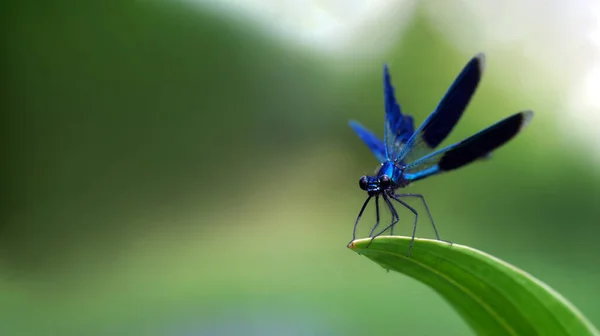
(394,215)
(358,218)
(437,236)
(377,215)
(414,233)
(395,218)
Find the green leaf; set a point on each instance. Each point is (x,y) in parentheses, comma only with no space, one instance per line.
(492,296)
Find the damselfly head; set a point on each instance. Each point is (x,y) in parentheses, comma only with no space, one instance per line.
(375,184)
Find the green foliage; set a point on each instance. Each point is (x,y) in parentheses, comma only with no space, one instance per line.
(141,137)
(492,296)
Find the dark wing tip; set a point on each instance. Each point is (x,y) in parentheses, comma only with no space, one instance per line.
(480,58)
(485,141)
(527,116)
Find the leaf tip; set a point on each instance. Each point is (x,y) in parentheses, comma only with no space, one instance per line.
(352,246)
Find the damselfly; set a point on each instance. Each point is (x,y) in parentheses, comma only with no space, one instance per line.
(407,155)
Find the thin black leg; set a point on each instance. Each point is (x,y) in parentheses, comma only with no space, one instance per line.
(358,218)
(395,218)
(437,236)
(394,215)
(377,214)
(414,224)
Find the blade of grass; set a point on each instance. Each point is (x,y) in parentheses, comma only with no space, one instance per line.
(492,296)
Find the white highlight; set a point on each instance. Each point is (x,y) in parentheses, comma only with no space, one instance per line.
(343,28)
(557,41)
(585,97)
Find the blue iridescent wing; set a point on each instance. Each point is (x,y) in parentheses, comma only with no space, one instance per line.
(445,116)
(371,140)
(397,127)
(475,147)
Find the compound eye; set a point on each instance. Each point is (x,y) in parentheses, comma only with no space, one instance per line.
(385,181)
(363,183)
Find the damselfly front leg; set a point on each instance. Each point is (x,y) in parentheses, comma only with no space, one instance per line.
(358,218)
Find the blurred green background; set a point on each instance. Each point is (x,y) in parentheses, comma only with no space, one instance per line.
(174,171)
